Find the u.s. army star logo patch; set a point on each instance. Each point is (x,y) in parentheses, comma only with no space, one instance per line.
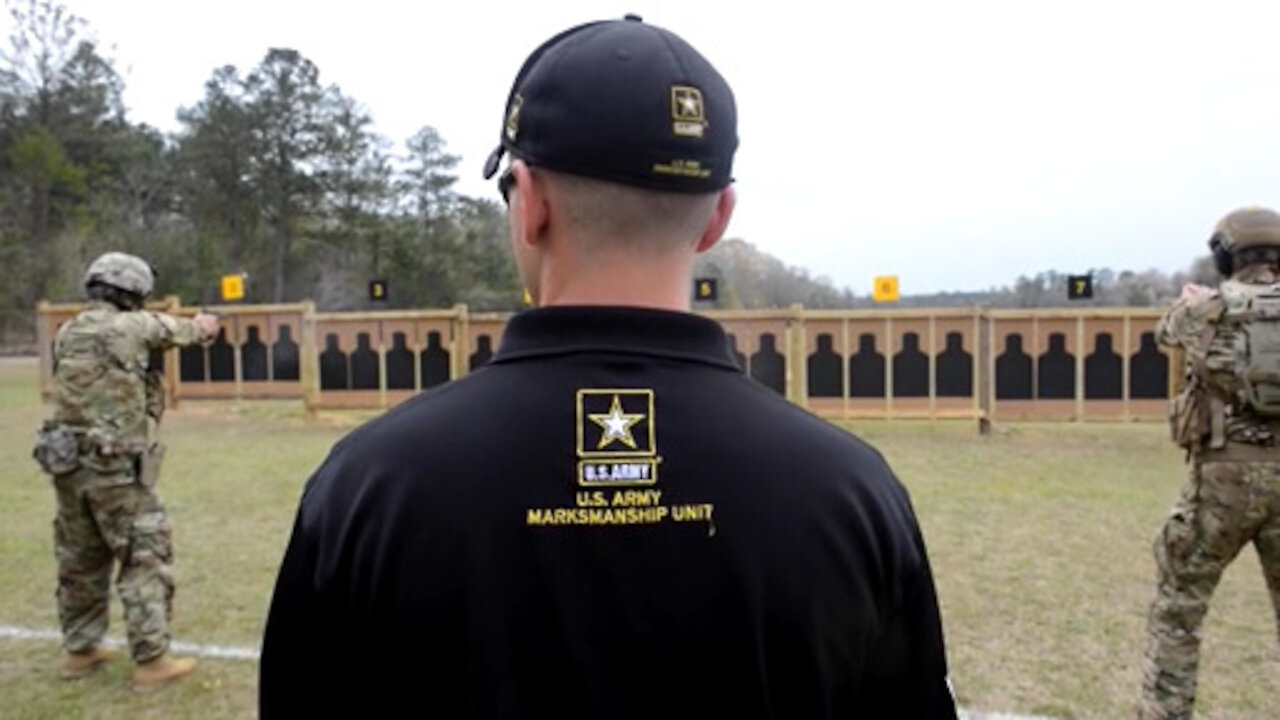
(617,469)
(688,115)
(616,437)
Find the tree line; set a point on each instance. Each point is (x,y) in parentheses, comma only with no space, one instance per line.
(272,173)
(749,278)
(279,176)
(1111,288)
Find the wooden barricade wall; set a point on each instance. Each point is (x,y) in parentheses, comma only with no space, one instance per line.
(378,359)
(759,341)
(483,334)
(260,353)
(895,364)
(1088,364)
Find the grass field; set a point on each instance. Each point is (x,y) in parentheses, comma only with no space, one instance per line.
(1040,538)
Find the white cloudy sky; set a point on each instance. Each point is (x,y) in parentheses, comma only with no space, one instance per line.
(956,144)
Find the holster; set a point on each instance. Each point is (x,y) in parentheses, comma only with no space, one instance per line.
(1217,423)
(149,462)
(1189,418)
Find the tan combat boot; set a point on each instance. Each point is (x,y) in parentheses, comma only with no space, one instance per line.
(77,665)
(158,673)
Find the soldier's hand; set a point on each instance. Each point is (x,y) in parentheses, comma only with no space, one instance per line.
(209,323)
(1192,290)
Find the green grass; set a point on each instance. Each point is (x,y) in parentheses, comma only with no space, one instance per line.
(19,386)
(1040,538)
(231,481)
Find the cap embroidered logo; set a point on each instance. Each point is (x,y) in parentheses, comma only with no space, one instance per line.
(513,117)
(687,111)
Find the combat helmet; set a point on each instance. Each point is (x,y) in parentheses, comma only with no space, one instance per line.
(121,270)
(1244,229)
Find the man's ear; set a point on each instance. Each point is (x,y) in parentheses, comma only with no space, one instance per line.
(719,220)
(529,203)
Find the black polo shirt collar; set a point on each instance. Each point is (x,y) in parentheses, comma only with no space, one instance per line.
(563,330)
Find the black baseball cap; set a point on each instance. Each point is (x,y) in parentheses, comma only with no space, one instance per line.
(625,101)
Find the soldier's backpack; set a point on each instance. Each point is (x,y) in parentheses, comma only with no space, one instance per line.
(93,397)
(1245,351)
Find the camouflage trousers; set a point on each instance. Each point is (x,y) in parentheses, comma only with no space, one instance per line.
(1224,506)
(104,520)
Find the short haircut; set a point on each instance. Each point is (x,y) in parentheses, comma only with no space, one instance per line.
(631,218)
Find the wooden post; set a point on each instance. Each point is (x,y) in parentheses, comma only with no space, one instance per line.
(309,359)
(1035,350)
(233,336)
(933,366)
(845,354)
(797,368)
(984,369)
(382,365)
(419,346)
(1125,381)
(460,343)
(44,342)
(888,367)
(1079,368)
(172,359)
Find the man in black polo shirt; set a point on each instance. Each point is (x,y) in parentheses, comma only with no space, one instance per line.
(609,520)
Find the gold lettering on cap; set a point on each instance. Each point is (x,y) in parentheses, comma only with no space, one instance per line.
(683,168)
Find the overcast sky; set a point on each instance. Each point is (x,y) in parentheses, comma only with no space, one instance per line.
(955,144)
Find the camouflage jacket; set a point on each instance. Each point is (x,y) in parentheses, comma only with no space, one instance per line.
(1184,324)
(101,375)
(1187,325)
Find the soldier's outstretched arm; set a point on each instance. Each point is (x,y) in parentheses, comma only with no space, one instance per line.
(162,331)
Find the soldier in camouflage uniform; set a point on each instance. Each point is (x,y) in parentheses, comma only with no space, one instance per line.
(1226,418)
(102,451)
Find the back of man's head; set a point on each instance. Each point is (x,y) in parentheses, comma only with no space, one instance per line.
(602,215)
(632,128)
